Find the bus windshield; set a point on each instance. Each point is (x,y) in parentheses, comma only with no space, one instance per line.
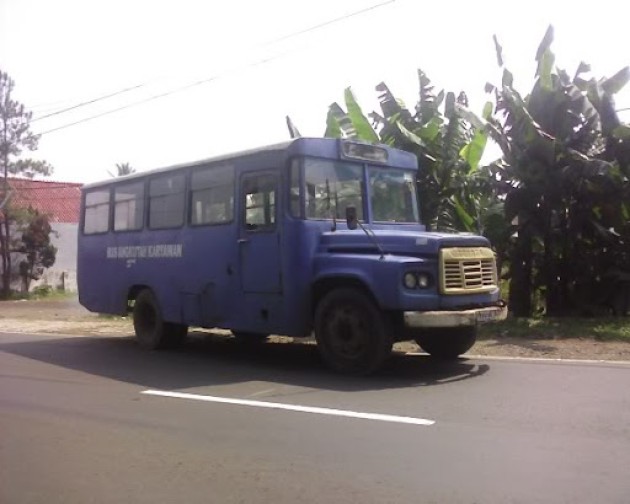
(393,195)
(331,186)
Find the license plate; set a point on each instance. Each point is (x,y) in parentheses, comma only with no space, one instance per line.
(488,315)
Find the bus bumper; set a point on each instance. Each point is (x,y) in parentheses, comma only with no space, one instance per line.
(455,318)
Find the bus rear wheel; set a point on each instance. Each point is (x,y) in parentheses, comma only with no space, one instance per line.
(351,332)
(447,343)
(151,330)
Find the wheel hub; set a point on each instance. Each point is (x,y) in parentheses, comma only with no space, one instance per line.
(348,333)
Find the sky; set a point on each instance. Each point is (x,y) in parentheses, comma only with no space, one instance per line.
(255,62)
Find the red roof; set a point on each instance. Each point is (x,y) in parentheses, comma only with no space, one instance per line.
(61,201)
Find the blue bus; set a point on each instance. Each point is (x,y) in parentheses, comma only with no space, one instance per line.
(310,236)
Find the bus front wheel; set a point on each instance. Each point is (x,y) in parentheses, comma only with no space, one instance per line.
(351,332)
(447,343)
(151,330)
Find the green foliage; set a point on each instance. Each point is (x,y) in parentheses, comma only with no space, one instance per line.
(293,131)
(362,127)
(42,291)
(556,205)
(39,253)
(448,139)
(15,139)
(564,179)
(552,328)
(123,169)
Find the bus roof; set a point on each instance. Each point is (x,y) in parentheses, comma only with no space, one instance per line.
(320,147)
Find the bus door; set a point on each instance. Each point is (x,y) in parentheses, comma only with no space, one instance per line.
(259,239)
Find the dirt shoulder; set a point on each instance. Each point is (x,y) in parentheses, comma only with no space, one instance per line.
(67,316)
(58,316)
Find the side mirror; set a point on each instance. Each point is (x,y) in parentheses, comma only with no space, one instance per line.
(351,217)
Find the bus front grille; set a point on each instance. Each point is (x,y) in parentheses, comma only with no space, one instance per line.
(467,270)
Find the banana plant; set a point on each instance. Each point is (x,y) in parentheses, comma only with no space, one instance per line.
(447,138)
(561,172)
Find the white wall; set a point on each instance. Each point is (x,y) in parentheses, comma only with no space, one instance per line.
(63,274)
(64,271)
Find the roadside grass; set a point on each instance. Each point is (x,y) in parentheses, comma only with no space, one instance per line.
(44,292)
(600,329)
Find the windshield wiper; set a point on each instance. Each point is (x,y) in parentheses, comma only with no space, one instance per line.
(334,216)
(353,221)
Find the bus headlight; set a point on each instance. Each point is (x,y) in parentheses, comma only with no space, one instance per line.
(423,280)
(410,280)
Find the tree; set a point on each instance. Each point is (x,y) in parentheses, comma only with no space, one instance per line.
(122,169)
(39,253)
(293,131)
(448,139)
(15,138)
(556,205)
(564,177)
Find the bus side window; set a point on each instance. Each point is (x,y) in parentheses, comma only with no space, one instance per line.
(96,219)
(212,196)
(260,202)
(167,201)
(129,207)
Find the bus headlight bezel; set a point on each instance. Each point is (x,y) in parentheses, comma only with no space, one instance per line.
(413,280)
(410,280)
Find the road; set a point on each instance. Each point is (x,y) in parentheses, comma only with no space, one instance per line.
(78,426)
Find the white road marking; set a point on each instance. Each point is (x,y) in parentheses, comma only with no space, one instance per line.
(558,360)
(262,392)
(293,407)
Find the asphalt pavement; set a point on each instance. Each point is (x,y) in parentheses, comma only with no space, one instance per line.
(98,420)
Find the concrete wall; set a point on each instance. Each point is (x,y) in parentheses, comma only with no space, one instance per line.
(63,274)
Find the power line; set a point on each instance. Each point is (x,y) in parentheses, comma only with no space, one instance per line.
(129,105)
(328,23)
(89,102)
(42,108)
(150,98)
(203,81)
(265,44)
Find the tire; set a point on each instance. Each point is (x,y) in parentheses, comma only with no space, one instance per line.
(151,330)
(250,338)
(176,334)
(351,333)
(447,343)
